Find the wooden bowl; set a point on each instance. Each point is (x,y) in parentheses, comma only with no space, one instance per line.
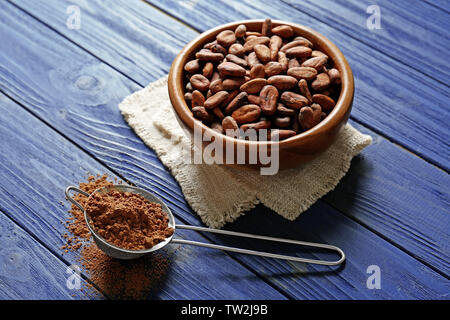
(292,151)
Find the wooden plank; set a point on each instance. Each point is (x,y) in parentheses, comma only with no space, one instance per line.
(391,98)
(407,33)
(441,4)
(29,271)
(100,129)
(37,164)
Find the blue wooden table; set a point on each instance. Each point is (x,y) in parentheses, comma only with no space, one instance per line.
(60,87)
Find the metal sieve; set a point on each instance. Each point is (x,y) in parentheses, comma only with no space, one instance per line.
(121,253)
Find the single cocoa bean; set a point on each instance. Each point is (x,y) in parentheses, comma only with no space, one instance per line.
(208,70)
(263,124)
(266,29)
(231,96)
(188,96)
(282,122)
(283,60)
(235,59)
(304,90)
(230,126)
(293,100)
(208,55)
(324,101)
(305,41)
(198,99)
(237,49)
(268,99)
(317,53)
(309,117)
(298,52)
(253,33)
(215,100)
(192,66)
(254,85)
(247,113)
(217,48)
(258,71)
(230,69)
(306,73)
(252,60)
(292,44)
(216,86)
(233,83)
(201,114)
(237,102)
(321,82)
(226,38)
(274,46)
(199,82)
(262,52)
(250,44)
(283,31)
(240,31)
(282,82)
(316,62)
(283,111)
(272,68)
(209,45)
(335,76)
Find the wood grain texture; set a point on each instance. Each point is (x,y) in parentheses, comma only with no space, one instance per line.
(90,116)
(37,164)
(29,271)
(407,33)
(390,98)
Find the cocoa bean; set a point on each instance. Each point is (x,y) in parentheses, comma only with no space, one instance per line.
(298,52)
(281,134)
(252,60)
(282,82)
(216,86)
(283,31)
(268,99)
(321,82)
(258,71)
(304,90)
(293,100)
(272,68)
(237,102)
(232,83)
(235,59)
(316,62)
(262,52)
(192,66)
(240,31)
(247,113)
(250,44)
(230,69)
(254,85)
(215,100)
(199,82)
(208,55)
(274,46)
(237,49)
(208,70)
(266,29)
(198,99)
(324,101)
(263,124)
(306,73)
(226,38)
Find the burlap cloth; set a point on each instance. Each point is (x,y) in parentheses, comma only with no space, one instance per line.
(220,194)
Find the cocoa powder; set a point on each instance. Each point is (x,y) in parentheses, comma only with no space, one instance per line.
(116,279)
(128,220)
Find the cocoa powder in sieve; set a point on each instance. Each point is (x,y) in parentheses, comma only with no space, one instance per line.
(128,220)
(116,279)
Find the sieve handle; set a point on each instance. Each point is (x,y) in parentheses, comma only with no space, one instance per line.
(70,188)
(260,253)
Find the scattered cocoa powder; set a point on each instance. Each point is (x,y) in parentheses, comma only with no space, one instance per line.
(116,279)
(128,220)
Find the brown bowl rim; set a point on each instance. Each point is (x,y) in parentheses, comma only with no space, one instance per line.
(339,113)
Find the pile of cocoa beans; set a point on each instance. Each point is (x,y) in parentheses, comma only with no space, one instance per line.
(268,79)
